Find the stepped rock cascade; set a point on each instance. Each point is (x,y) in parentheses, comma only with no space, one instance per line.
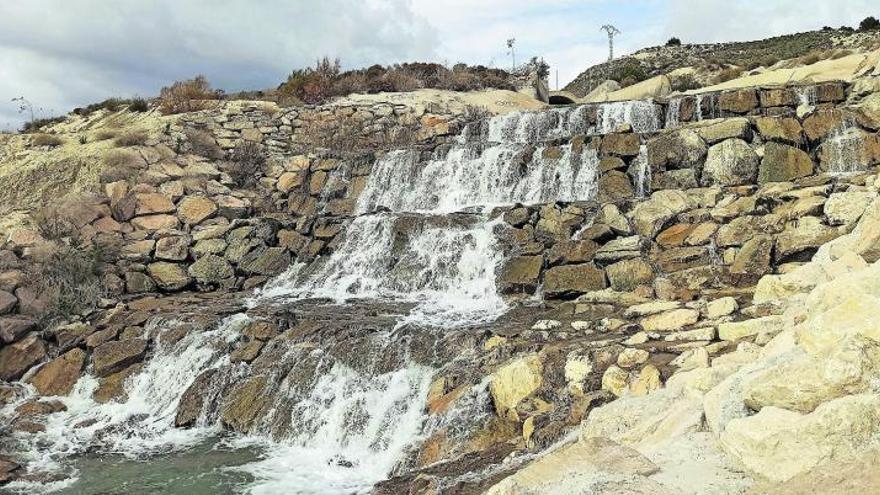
(642,175)
(843,150)
(673,110)
(807,95)
(643,115)
(443,261)
(707,107)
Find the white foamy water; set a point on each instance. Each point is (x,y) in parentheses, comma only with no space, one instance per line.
(642,173)
(843,150)
(642,115)
(350,431)
(143,424)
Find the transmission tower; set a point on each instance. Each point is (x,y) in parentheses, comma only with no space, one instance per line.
(612,31)
(510,43)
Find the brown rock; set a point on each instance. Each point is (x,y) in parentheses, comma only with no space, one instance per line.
(271,261)
(738,101)
(110,357)
(675,235)
(521,273)
(194,210)
(568,252)
(11,280)
(753,259)
(193,399)
(573,279)
(624,144)
(138,283)
(779,97)
(244,404)
(289,181)
(57,377)
(614,186)
(7,302)
(247,352)
(211,269)
(30,303)
(820,123)
(112,387)
(260,330)
(9,470)
(785,129)
(155,222)
(13,328)
(18,357)
(680,149)
(152,203)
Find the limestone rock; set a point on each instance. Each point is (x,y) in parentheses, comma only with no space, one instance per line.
(647,381)
(730,163)
(719,130)
(784,163)
(110,357)
(809,233)
(723,306)
(568,251)
(57,377)
(675,319)
(620,248)
(271,261)
(152,203)
(168,276)
(845,208)
(753,259)
(18,357)
(779,444)
(747,328)
(615,380)
(739,101)
(521,273)
(173,248)
(785,130)
(155,222)
(513,382)
(631,357)
(679,149)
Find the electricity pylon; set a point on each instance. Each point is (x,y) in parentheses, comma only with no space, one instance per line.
(611,30)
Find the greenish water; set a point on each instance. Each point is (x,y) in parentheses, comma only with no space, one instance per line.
(207,469)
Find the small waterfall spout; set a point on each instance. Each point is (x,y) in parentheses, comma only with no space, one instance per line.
(642,115)
(843,150)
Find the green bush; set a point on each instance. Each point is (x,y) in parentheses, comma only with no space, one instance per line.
(248,160)
(685,82)
(673,42)
(49,140)
(138,104)
(869,24)
(628,71)
(190,95)
(132,138)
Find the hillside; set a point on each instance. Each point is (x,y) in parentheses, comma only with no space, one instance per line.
(708,61)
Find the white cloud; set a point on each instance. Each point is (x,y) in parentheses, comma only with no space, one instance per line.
(64,54)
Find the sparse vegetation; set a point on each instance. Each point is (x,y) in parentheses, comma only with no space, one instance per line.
(203,144)
(326,80)
(685,82)
(728,74)
(628,72)
(673,42)
(120,165)
(49,140)
(36,125)
(247,162)
(190,95)
(136,137)
(869,24)
(104,135)
(138,104)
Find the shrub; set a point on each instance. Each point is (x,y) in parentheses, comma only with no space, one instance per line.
(628,72)
(685,82)
(728,74)
(811,58)
(137,137)
(475,113)
(54,223)
(247,162)
(190,95)
(120,165)
(203,144)
(869,24)
(105,135)
(83,139)
(50,140)
(673,42)
(37,124)
(138,104)
(68,276)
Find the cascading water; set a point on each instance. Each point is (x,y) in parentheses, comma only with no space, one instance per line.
(842,150)
(642,115)
(673,112)
(707,107)
(448,269)
(642,175)
(807,96)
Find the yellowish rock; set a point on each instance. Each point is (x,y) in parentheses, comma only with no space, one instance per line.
(513,382)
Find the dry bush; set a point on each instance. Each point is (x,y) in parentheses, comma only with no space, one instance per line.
(190,95)
(120,165)
(811,58)
(475,113)
(46,140)
(137,137)
(247,163)
(685,82)
(138,104)
(54,223)
(68,276)
(728,74)
(203,144)
(105,135)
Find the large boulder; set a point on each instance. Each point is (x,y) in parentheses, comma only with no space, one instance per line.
(847,207)
(715,131)
(739,101)
(569,280)
(152,203)
(270,261)
(785,130)
(7,302)
(730,163)
(626,275)
(13,328)
(110,357)
(211,269)
(784,163)
(58,376)
(17,358)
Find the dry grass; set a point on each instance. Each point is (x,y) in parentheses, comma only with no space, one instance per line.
(121,165)
(132,138)
(49,140)
(728,74)
(105,135)
(248,161)
(203,144)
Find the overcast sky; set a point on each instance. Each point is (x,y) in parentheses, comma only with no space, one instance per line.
(66,53)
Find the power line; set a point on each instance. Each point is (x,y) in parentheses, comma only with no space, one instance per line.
(612,31)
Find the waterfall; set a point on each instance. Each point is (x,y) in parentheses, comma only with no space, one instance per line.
(142,424)
(673,111)
(642,115)
(711,109)
(807,95)
(349,432)
(642,173)
(408,244)
(843,150)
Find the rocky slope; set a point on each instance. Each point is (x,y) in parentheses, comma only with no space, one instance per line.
(665,277)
